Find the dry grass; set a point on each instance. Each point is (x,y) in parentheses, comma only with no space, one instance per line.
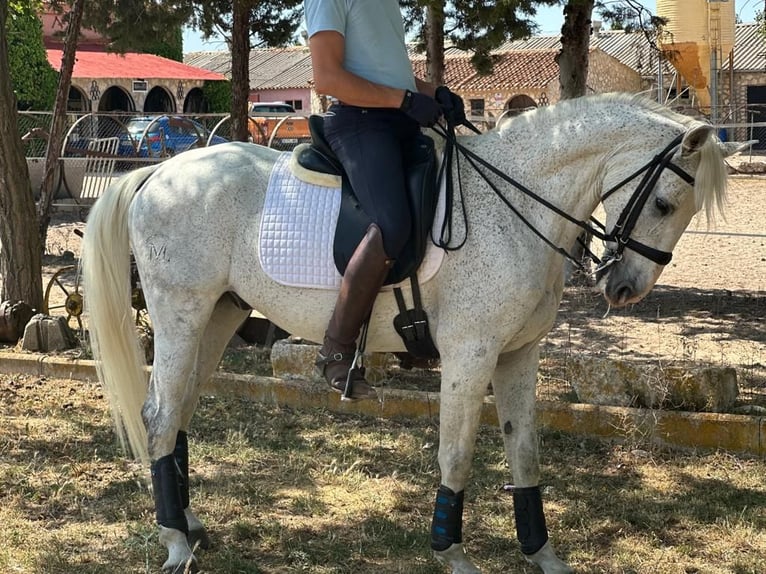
(283,491)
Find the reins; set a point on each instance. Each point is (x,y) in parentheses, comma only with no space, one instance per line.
(620,234)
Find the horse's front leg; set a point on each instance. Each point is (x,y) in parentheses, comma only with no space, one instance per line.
(466,373)
(514,387)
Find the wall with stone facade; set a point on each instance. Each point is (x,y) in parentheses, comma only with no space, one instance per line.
(608,74)
(93,91)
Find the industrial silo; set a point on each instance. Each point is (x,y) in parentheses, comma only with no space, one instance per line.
(697,38)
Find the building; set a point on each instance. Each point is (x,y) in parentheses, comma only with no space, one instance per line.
(276,74)
(132,82)
(521,77)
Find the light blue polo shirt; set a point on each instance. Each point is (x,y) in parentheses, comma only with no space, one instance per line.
(374,35)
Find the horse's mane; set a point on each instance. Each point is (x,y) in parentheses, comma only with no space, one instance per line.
(711,176)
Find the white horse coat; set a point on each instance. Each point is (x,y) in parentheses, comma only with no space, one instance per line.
(193,225)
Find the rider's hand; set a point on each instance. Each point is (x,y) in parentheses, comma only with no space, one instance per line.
(452,104)
(422,108)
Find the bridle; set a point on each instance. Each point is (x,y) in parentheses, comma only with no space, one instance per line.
(620,233)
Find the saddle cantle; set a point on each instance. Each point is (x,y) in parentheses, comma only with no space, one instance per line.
(353,221)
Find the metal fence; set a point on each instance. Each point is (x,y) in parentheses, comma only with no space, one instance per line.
(101,146)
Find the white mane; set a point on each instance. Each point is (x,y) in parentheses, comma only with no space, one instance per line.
(710,178)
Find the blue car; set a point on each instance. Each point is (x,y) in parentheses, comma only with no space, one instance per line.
(163,136)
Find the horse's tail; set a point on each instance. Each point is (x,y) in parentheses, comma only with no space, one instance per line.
(105,265)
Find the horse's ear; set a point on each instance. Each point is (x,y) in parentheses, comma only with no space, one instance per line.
(695,138)
(730,148)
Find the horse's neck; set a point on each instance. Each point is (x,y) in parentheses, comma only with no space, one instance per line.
(564,171)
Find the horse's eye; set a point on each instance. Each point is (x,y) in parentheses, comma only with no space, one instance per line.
(662,206)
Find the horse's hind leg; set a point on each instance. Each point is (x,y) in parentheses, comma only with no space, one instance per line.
(514,387)
(226,317)
(170,401)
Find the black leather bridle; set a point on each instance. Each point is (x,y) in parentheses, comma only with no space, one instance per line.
(620,233)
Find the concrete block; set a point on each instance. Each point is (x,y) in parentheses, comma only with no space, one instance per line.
(295,359)
(630,384)
(44,333)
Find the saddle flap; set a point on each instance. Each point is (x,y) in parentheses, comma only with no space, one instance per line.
(353,221)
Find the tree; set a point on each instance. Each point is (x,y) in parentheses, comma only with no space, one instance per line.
(58,122)
(479,27)
(244,23)
(32,77)
(20,250)
(575,41)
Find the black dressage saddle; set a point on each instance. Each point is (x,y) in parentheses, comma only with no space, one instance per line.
(353,221)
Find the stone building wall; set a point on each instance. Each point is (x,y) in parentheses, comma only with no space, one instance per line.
(608,74)
(94,90)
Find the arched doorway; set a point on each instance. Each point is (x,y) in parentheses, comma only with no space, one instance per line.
(159,100)
(77,100)
(520,103)
(115,99)
(195,102)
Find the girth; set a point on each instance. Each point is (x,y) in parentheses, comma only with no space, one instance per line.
(353,221)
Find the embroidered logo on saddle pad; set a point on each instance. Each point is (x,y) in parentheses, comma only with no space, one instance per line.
(298,228)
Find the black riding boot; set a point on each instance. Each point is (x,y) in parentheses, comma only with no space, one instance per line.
(364,276)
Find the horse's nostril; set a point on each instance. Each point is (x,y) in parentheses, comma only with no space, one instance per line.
(624,293)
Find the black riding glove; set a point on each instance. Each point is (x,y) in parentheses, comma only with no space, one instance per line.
(453,106)
(421,108)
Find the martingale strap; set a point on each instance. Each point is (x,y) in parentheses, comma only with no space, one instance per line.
(530,520)
(168,505)
(447,525)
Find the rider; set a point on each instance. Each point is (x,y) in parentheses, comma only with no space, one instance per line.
(359,57)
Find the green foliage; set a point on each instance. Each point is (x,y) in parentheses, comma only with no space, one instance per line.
(171,47)
(33,79)
(630,16)
(479,27)
(218,96)
(272,23)
(139,25)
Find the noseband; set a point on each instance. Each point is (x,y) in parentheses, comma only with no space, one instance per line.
(620,233)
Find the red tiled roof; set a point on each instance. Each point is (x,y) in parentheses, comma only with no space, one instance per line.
(512,70)
(94,63)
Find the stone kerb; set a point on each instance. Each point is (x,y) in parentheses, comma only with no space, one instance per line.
(736,433)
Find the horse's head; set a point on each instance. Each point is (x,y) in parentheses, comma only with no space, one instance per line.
(646,216)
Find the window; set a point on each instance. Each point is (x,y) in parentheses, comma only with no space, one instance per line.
(477,107)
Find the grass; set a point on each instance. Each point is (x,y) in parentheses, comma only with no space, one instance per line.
(284,491)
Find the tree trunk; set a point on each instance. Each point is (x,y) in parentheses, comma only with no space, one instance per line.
(435,43)
(240,69)
(58,124)
(573,57)
(20,251)
(573,81)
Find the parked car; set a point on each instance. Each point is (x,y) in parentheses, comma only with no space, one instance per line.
(161,136)
(271,108)
(280,120)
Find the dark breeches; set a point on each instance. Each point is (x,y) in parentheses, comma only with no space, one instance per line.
(369,144)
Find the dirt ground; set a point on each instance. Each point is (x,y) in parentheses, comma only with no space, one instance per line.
(708,307)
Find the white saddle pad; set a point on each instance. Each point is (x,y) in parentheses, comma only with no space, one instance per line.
(298,228)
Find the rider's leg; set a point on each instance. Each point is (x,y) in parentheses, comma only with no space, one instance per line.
(369,144)
(364,276)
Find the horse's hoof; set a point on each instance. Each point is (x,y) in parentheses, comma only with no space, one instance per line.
(547,560)
(455,558)
(188,567)
(198,538)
